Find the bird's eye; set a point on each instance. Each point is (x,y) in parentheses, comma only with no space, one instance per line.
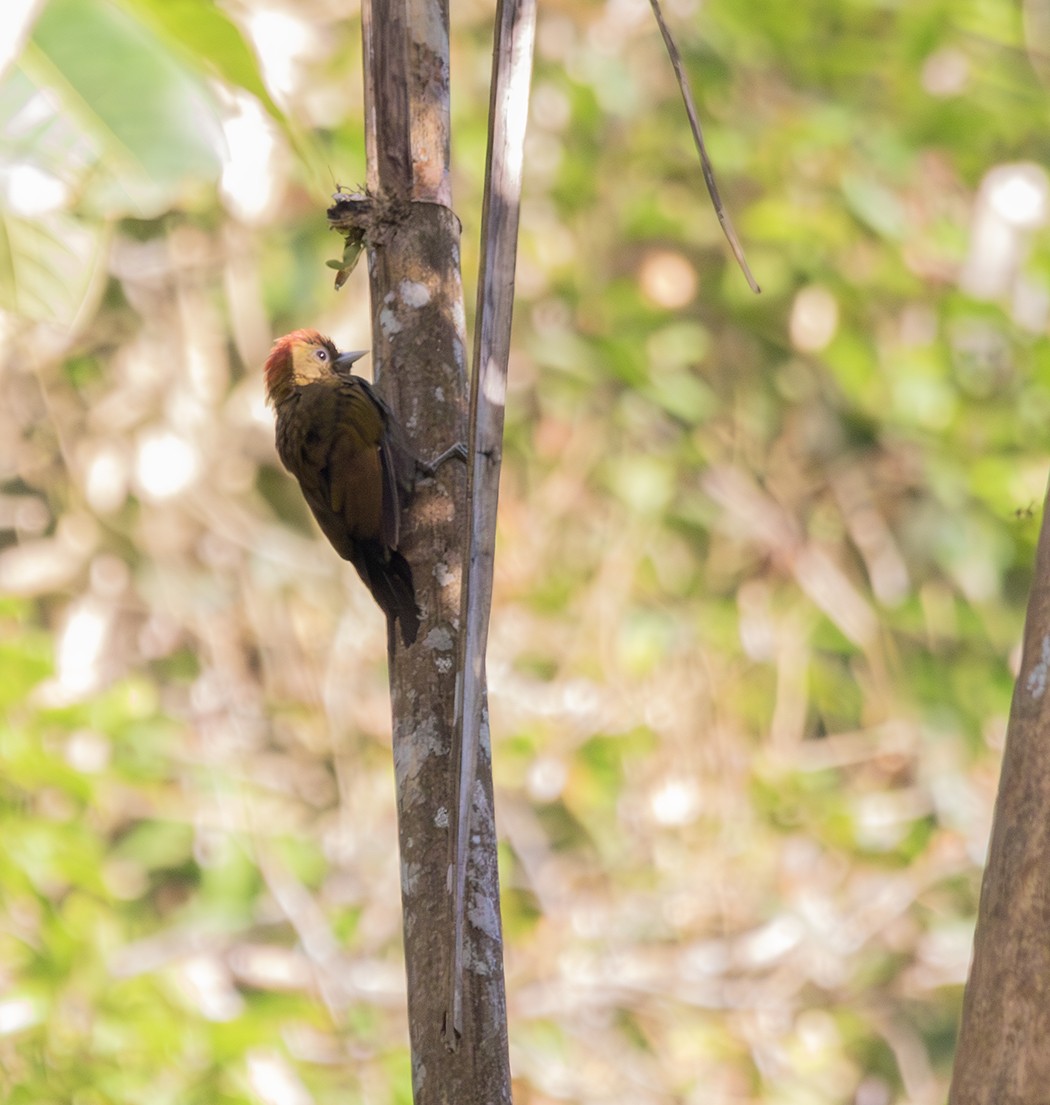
(321,354)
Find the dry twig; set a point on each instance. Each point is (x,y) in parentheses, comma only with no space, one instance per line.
(698,136)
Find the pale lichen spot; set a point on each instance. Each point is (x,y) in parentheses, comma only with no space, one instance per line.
(484,915)
(389,322)
(414,294)
(494,383)
(439,639)
(410,756)
(441,817)
(409,877)
(1037,677)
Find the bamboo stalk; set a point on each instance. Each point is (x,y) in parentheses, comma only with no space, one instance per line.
(508,114)
(1002,1056)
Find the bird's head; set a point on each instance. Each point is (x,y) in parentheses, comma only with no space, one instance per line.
(302,356)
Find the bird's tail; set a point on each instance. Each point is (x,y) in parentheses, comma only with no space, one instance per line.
(388,576)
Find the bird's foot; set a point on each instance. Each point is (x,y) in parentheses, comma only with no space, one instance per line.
(453,452)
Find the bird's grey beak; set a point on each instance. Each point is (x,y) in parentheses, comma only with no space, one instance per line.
(343,362)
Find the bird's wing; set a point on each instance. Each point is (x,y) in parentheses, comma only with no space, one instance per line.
(391,511)
(355,470)
(330,443)
(397,465)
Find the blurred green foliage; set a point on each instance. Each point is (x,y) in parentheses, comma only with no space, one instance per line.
(761,573)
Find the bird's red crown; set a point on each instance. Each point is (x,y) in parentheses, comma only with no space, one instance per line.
(279,367)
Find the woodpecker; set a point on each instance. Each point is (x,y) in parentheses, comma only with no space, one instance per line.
(341,442)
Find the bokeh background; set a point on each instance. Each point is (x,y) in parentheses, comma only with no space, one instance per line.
(761,571)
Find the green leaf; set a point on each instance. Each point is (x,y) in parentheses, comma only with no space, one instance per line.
(205,36)
(209,41)
(354,245)
(155,126)
(51,268)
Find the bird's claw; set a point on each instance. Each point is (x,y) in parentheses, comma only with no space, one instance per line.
(453,452)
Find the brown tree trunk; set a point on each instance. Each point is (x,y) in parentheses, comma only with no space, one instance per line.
(1003,1053)
(419,351)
